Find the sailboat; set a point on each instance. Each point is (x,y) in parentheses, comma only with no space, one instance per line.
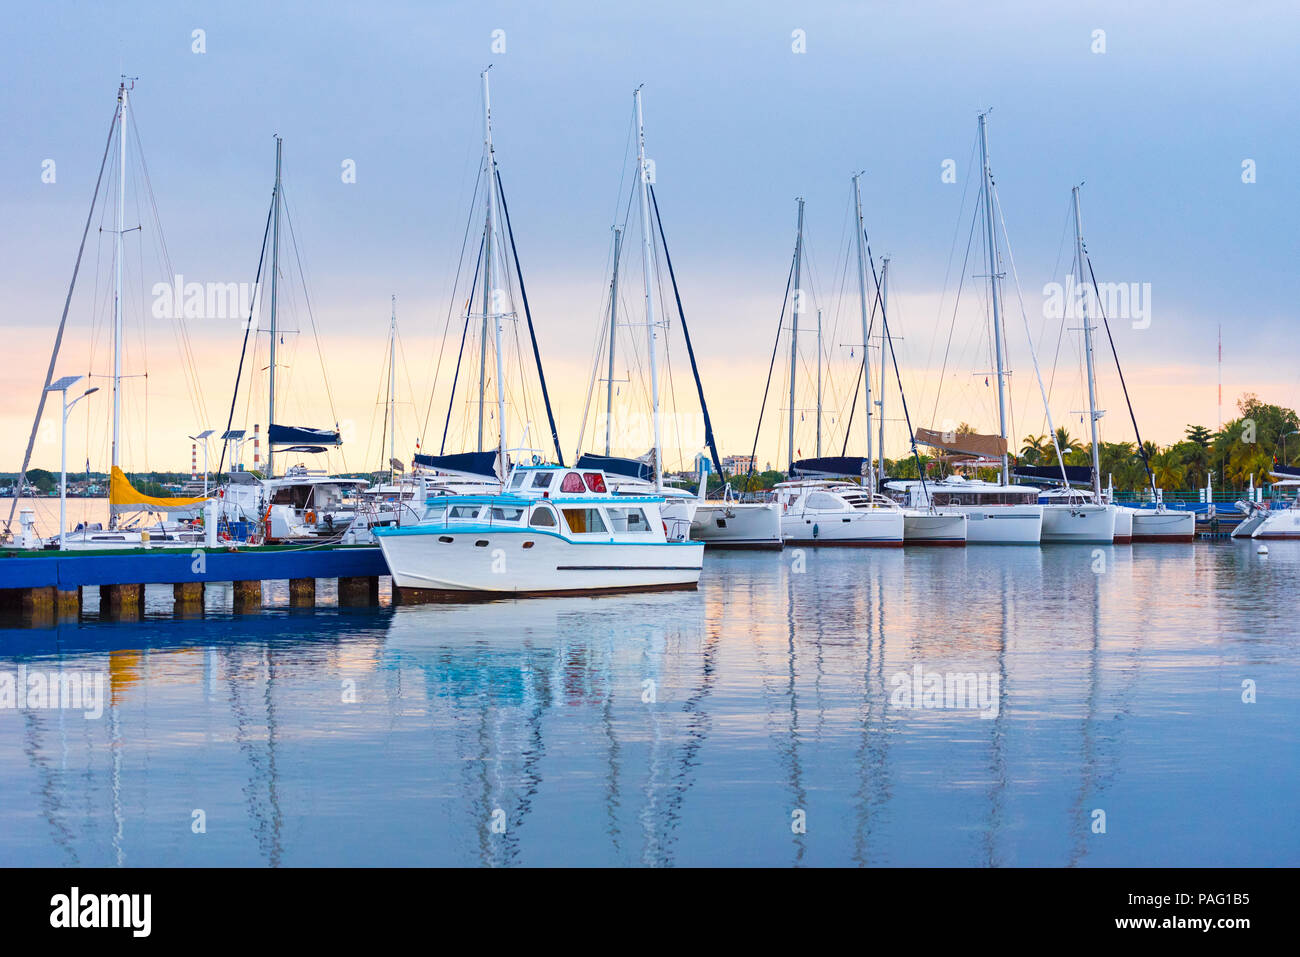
(301,503)
(817,509)
(547,529)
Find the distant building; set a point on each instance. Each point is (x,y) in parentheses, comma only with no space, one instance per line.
(737,464)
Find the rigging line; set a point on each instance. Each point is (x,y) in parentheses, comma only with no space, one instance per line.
(306,295)
(602,340)
(248,327)
(947,272)
(753,452)
(1060,334)
(686,335)
(528,315)
(451,399)
(58,336)
(451,305)
(1142,450)
(970,239)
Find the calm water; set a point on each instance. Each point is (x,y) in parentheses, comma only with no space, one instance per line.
(519,734)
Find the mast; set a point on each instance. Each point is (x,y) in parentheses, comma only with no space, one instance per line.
(122,97)
(652,329)
(1093,415)
(392,390)
(489,303)
(819,383)
(613,327)
(866,348)
(275,288)
(880,403)
(995,287)
(794,328)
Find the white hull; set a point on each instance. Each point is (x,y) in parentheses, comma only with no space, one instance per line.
(738,524)
(1284,523)
(497,562)
(934,528)
(1247,526)
(1163,526)
(1123,525)
(1002,524)
(1079,523)
(877,526)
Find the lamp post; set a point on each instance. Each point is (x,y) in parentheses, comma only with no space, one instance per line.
(61,386)
(203,437)
(1284,435)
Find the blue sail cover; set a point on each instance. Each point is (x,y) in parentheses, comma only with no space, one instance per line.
(1080,474)
(631,468)
(475,464)
(833,465)
(1284,472)
(298,435)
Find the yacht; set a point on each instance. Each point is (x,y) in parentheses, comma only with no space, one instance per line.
(551,530)
(1283,519)
(824,512)
(995,514)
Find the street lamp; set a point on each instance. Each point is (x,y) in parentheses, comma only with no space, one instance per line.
(62,386)
(203,437)
(1284,435)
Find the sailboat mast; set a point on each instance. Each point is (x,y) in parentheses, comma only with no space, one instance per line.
(866,344)
(1093,415)
(275,290)
(995,287)
(613,329)
(392,390)
(794,326)
(490,304)
(647,263)
(122,95)
(880,403)
(819,383)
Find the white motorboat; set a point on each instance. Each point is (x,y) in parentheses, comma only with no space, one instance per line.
(823,512)
(1163,524)
(551,531)
(1282,520)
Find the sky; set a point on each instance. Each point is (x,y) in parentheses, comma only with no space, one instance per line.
(1179,119)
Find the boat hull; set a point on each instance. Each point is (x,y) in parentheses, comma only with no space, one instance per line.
(1170,526)
(1124,525)
(934,528)
(1280,524)
(738,525)
(1079,524)
(881,528)
(527,562)
(1002,524)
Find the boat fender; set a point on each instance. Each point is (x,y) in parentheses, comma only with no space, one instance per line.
(816,530)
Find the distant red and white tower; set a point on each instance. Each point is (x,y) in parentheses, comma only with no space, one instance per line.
(194,461)
(257,447)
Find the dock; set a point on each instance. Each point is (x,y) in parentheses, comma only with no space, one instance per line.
(51,583)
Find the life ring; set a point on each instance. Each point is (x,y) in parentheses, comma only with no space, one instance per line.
(310,517)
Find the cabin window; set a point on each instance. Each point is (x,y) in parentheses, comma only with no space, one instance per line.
(595,482)
(572,483)
(463,511)
(824,500)
(507,514)
(542,479)
(629,520)
(518,479)
(435,513)
(542,518)
(584,521)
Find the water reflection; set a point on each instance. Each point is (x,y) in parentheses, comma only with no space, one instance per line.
(686,728)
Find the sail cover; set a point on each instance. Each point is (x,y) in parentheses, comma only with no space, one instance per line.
(970,443)
(125,497)
(1081,474)
(479,465)
(612,464)
(298,435)
(832,465)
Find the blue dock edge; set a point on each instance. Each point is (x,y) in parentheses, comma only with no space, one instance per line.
(69,570)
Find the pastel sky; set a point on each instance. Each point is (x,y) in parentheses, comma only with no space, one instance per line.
(738,124)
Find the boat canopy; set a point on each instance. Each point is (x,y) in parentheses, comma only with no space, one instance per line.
(969,443)
(472,464)
(833,465)
(300,435)
(125,497)
(1081,474)
(628,468)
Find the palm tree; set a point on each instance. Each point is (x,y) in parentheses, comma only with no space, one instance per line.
(1168,469)
(1065,442)
(1035,449)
